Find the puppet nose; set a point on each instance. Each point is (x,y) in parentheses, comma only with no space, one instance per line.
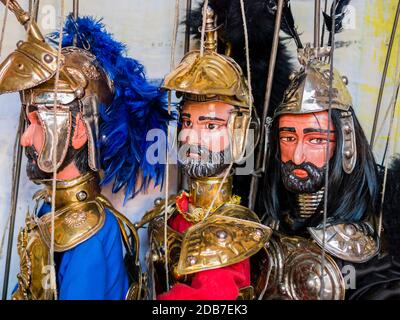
(191,137)
(27,137)
(299,157)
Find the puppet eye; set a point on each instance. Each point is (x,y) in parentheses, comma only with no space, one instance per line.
(187,123)
(318,141)
(288,139)
(212,126)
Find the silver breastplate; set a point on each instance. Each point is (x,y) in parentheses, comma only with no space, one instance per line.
(294,271)
(293,265)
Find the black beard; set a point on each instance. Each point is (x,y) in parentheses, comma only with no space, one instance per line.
(34,173)
(312,183)
(32,169)
(208,165)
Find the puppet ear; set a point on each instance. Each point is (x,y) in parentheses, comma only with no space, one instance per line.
(80,137)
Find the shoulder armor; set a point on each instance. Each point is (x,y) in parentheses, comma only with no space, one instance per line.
(220,241)
(237,211)
(158,210)
(73,224)
(353,242)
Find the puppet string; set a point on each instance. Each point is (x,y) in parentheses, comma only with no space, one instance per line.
(247,52)
(203,27)
(55,132)
(3,29)
(172,66)
(327,158)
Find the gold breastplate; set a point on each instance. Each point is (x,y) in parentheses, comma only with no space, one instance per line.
(228,236)
(80,214)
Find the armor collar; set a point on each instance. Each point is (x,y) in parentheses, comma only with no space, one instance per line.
(308,203)
(203,190)
(83,188)
(194,205)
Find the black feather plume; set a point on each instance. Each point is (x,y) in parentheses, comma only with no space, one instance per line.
(260,15)
(288,24)
(339,13)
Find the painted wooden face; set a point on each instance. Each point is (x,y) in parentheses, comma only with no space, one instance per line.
(303,140)
(205,123)
(33,140)
(205,137)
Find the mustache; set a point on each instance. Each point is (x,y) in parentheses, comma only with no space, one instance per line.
(31,153)
(205,155)
(309,167)
(208,164)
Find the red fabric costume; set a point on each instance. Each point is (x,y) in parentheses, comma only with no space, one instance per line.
(217,284)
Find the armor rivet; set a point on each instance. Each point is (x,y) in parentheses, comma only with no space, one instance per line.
(312,284)
(348,154)
(258,234)
(345,80)
(154,257)
(48,163)
(282,288)
(350,230)
(327,74)
(191,260)
(221,235)
(347,129)
(19,43)
(157,201)
(81,195)
(79,93)
(48,58)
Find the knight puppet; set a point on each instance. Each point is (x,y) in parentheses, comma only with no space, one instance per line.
(302,135)
(85,111)
(210,236)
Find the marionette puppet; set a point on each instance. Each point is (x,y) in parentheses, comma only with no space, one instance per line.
(87,108)
(294,188)
(210,237)
(321,192)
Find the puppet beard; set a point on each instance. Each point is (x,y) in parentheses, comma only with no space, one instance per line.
(310,184)
(32,169)
(35,174)
(207,165)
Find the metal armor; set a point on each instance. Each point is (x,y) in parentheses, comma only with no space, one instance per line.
(231,234)
(292,264)
(80,214)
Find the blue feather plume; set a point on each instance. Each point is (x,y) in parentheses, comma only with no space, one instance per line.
(137,107)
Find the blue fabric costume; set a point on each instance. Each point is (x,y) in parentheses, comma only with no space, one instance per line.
(93,270)
(91,264)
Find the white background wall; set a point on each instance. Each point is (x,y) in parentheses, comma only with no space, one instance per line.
(146,28)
